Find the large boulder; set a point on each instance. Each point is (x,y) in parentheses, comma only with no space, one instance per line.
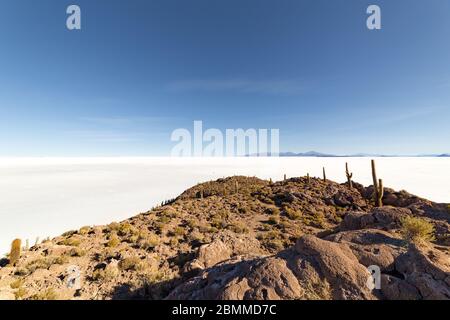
(207,256)
(312,269)
(339,266)
(427,269)
(394,288)
(212,253)
(356,220)
(385,218)
(423,272)
(372,247)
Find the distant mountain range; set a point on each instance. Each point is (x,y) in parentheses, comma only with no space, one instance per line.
(360,155)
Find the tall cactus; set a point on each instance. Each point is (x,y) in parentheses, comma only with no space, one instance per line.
(14,255)
(380,193)
(324,175)
(378,189)
(285,177)
(308,178)
(349,176)
(236,187)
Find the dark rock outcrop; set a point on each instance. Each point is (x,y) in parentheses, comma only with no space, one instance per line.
(313,268)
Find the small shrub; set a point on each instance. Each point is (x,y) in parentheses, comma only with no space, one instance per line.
(212,230)
(274,244)
(169,212)
(113,241)
(178,232)
(218,223)
(16,284)
(69,233)
(73,242)
(273,211)
(160,227)
(203,228)
(416,230)
(196,236)
(126,229)
(107,274)
(164,220)
(154,276)
(113,226)
(292,214)
(239,227)
(192,224)
(223,214)
(84,230)
(174,242)
(45,263)
(316,289)
(58,260)
(274,220)
(20,293)
(265,199)
(148,240)
(270,235)
(48,294)
(130,263)
(21,272)
(132,239)
(243,210)
(37,264)
(318,220)
(77,252)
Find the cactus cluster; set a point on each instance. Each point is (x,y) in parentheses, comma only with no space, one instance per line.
(378,189)
(349,176)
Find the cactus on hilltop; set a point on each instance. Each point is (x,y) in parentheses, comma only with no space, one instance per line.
(378,189)
(349,176)
(14,254)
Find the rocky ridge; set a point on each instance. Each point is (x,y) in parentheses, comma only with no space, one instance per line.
(247,238)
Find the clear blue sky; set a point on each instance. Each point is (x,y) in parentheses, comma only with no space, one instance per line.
(139,69)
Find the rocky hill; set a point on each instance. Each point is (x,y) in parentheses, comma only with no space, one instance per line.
(247,238)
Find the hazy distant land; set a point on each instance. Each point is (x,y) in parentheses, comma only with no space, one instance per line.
(47,196)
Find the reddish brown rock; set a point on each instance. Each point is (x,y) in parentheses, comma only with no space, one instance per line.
(314,268)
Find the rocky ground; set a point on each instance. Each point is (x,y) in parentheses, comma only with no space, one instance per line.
(246,238)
